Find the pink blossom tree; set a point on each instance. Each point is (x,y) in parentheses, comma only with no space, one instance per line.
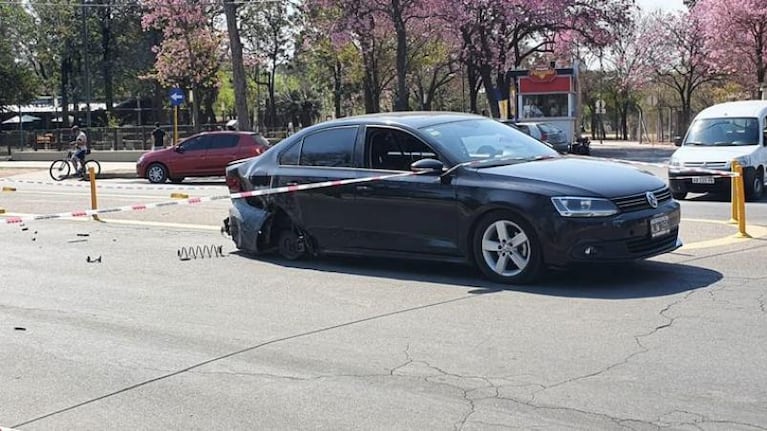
(629,68)
(736,33)
(676,44)
(499,35)
(191,50)
(361,24)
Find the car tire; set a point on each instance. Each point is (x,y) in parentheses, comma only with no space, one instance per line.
(290,245)
(755,186)
(679,195)
(156,173)
(506,248)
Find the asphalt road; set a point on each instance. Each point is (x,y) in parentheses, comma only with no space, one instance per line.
(104,326)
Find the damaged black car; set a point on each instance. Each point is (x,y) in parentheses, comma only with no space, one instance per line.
(450,187)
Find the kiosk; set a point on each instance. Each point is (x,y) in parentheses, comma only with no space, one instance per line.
(547,94)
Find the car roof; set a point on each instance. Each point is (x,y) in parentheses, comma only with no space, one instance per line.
(743,108)
(414,119)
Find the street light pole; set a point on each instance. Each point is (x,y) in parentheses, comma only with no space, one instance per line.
(86,60)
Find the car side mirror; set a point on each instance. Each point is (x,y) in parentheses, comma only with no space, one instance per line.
(179,149)
(427,166)
(678,141)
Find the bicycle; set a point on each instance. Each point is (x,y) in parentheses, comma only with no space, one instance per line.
(60,169)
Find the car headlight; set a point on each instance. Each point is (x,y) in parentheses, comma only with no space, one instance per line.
(568,206)
(675,163)
(744,160)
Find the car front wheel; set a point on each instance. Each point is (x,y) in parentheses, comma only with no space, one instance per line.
(506,249)
(156,173)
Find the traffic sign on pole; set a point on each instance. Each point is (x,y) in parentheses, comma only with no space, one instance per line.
(176,96)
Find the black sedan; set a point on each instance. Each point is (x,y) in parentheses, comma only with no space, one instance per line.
(469,189)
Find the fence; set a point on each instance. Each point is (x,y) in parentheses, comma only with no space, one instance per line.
(106,138)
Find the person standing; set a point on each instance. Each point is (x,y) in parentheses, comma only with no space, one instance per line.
(159,137)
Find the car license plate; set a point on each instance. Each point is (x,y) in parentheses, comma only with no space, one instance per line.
(659,226)
(703,180)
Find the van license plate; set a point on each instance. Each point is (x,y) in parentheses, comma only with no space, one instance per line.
(659,226)
(703,180)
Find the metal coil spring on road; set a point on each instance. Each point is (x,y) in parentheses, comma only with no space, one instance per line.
(200,251)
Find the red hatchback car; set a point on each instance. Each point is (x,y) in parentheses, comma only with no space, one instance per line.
(202,155)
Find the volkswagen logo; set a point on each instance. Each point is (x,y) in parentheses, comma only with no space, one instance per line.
(651,199)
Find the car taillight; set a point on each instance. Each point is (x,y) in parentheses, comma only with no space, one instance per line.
(233,183)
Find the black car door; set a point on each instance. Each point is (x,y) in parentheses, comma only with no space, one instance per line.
(325,155)
(417,213)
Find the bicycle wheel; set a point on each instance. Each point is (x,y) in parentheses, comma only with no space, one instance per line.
(59,169)
(93,164)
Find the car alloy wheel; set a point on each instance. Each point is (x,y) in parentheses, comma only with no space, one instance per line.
(156,173)
(506,249)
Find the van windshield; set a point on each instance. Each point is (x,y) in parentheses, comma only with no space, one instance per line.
(723,132)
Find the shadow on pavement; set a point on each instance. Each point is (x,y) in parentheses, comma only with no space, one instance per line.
(615,281)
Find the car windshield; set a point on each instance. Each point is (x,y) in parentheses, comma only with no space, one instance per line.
(485,139)
(723,132)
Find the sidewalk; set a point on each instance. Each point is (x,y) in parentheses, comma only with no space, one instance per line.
(108,169)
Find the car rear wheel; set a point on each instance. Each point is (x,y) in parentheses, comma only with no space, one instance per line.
(156,173)
(506,249)
(290,245)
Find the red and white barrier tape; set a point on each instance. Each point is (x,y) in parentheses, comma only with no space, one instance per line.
(193,201)
(82,184)
(284,189)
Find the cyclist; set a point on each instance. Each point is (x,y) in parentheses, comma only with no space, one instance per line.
(80,145)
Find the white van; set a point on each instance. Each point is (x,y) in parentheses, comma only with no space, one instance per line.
(718,135)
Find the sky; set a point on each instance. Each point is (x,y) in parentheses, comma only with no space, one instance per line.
(666,5)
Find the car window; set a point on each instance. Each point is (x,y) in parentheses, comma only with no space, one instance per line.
(477,139)
(329,147)
(764,132)
(548,129)
(524,128)
(723,131)
(220,141)
(290,156)
(198,143)
(393,149)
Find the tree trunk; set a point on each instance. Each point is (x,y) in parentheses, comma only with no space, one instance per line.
(196,94)
(106,56)
(472,80)
(238,67)
(401,103)
(487,81)
(272,104)
(337,82)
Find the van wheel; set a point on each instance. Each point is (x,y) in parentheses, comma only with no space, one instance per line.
(755,187)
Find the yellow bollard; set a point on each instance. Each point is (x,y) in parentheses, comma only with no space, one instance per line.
(741,199)
(94,203)
(734,192)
